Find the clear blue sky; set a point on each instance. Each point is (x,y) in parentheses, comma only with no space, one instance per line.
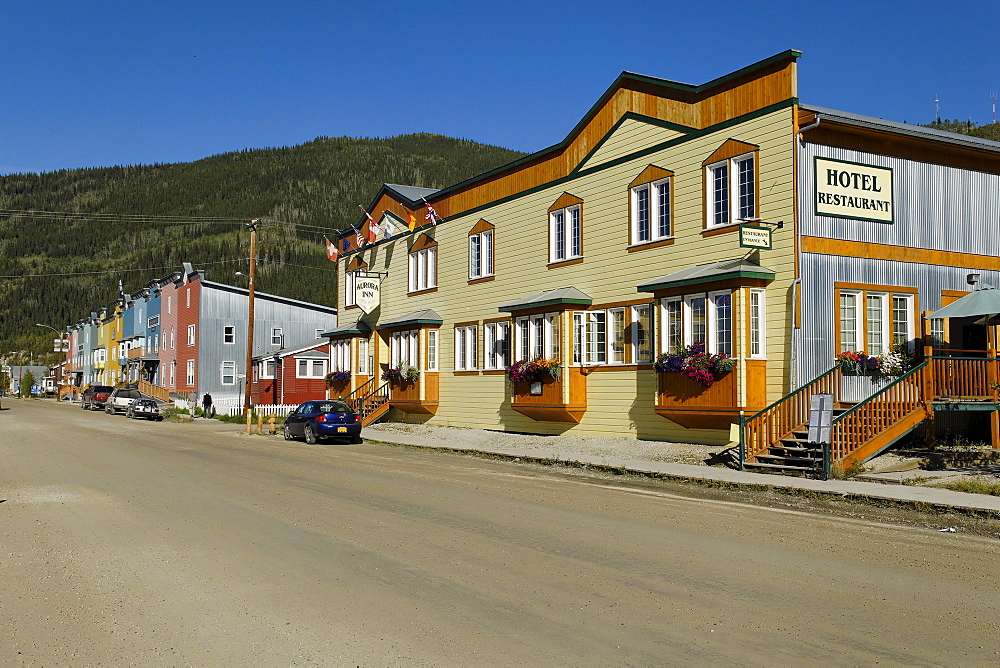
(95,83)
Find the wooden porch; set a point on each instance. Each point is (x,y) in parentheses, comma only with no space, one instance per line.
(946,379)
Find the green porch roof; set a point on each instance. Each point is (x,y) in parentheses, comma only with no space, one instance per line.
(708,273)
(426,317)
(556,297)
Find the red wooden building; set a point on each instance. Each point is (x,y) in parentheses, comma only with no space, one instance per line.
(291,375)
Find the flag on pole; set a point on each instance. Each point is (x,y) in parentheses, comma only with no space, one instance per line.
(413,222)
(347,244)
(372,235)
(432,215)
(331,250)
(389,230)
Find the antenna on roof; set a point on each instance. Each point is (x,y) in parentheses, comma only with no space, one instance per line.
(937,107)
(993,99)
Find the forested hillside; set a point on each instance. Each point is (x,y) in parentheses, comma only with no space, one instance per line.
(989,131)
(90,227)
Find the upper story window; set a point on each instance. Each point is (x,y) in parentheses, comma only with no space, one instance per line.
(422,264)
(276,336)
(190,334)
(355,267)
(481,251)
(731,184)
(229,334)
(566,229)
(188,296)
(650,206)
(227,372)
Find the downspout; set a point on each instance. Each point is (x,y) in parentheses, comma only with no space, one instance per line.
(811,126)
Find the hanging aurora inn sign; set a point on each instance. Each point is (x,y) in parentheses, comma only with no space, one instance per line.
(368,292)
(852,190)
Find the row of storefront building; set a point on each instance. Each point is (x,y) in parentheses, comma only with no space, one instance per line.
(675,226)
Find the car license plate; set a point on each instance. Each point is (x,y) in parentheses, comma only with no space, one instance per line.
(341,428)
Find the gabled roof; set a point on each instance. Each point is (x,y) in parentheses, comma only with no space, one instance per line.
(554,297)
(263,295)
(708,273)
(413,194)
(292,350)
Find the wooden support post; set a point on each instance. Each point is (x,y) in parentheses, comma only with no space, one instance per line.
(250,317)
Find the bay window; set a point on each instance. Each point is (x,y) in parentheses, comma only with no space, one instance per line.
(404,348)
(340,355)
(705,318)
(537,336)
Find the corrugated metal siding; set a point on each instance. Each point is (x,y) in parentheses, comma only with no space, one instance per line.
(937,207)
(219,308)
(940,208)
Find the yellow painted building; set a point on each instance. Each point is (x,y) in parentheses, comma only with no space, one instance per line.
(689,257)
(572,254)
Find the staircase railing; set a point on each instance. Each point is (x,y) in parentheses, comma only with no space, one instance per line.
(352,398)
(764,428)
(368,398)
(150,390)
(858,426)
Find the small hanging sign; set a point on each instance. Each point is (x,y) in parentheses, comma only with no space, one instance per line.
(752,236)
(368,292)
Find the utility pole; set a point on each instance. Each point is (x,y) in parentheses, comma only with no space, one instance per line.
(252,225)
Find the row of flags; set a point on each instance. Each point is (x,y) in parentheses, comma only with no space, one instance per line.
(371,236)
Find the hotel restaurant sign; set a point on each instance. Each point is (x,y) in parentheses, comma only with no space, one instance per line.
(852,190)
(368,292)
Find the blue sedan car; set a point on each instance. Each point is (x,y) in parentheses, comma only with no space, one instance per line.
(314,421)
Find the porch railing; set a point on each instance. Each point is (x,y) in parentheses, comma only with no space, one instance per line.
(962,377)
(868,419)
(764,428)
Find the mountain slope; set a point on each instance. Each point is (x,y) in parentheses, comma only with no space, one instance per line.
(141,222)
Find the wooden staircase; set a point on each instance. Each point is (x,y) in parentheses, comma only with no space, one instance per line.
(775,440)
(370,401)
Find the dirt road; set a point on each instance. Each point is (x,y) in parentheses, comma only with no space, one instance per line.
(174,544)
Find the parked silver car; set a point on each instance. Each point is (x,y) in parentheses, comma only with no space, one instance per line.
(120,399)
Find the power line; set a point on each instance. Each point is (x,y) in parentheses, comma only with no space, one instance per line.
(37,213)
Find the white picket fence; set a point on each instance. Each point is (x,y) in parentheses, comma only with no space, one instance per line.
(278,410)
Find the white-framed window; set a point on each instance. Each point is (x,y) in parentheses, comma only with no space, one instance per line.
(340,355)
(187,293)
(874,320)
(363,357)
(266,369)
(228,373)
(404,348)
(169,303)
(496,345)
(350,287)
(319,333)
(616,336)
(310,368)
(432,350)
(173,339)
(758,340)
(705,318)
(537,336)
(732,190)
(173,373)
(422,269)
(651,209)
(190,373)
(276,336)
(642,334)
(229,334)
(466,354)
(565,233)
(190,334)
(481,254)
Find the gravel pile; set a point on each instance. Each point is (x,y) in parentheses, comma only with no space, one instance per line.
(561,446)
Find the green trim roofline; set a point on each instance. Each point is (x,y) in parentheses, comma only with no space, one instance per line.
(694,134)
(790,54)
